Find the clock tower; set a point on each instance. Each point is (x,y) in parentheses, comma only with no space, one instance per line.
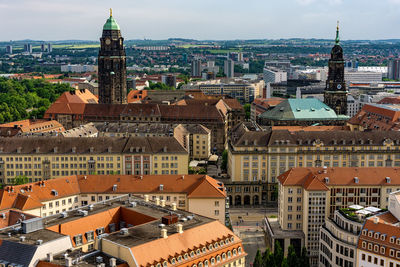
(112,64)
(335,95)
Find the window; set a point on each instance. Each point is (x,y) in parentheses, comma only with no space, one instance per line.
(78,240)
(216,203)
(90,236)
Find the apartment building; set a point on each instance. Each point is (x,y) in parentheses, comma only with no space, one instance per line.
(26,127)
(379,241)
(257,156)
(194,193)
(196,139)
(123,231)
(308,197)
(339,236)
(43,158)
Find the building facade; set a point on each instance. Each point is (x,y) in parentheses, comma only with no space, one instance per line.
(256,157)
(44,158)
(308,197)
(112,65)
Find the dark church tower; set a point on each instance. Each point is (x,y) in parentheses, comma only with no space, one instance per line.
(335,95)
(112,64)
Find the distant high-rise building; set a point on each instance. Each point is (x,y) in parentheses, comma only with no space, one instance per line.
(196,68)
(9,49)
(28,48)
(274,75)
(169,80)
(335,95)
(49,48)
(394,69)
(112,64)
(229,68)
(43,47)
(240,57)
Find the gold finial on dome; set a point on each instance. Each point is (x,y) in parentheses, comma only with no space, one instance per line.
(110,12)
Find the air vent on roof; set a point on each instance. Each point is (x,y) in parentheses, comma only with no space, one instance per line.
(39,242)
(91,206)
(124,231)
(99,259)
(3,215)
(64,215)
(132,204)
(161,225)
(31,225)
(22,238)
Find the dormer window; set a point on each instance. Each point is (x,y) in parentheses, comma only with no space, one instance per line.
(204,250)
(165,264)
(192,254)
(172,261)
(198,252)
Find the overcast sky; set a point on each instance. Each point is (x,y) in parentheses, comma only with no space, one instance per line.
(200,19)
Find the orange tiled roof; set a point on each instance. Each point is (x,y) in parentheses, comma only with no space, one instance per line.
(30,196)
(179,243)
(385,226)
(77,96)
(313,178)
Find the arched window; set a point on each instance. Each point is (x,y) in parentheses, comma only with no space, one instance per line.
(212,261)
(229,254)
(165,264)
(240,250)
(204,249)
(218,258)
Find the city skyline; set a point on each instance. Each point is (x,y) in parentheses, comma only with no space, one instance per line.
(208,20)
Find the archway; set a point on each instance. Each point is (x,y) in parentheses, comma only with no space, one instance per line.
(256,200)
(246,200)
(238,200)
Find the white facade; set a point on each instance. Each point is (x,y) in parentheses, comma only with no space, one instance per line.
(78,68)
(351,76)
(272,75)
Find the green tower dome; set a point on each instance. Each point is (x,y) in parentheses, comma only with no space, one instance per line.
(111,24)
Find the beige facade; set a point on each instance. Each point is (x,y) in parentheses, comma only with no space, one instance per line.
(309,198)
(257,156)
(71,156)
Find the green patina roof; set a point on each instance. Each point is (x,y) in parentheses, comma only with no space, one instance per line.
(111,25)
(301,109)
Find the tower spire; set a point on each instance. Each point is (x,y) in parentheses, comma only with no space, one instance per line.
(110,12)
(337,40)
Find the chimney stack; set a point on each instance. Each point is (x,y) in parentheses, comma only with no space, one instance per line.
(164,233)
(163,203)
(157,201)
(179,228)
(146,198)
(173,206)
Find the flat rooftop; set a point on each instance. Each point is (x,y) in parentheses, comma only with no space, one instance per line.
(144,229)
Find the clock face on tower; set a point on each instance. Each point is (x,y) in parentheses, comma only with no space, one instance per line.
(108,41)
(339,86)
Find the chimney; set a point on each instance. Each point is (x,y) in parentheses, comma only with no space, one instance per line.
(113,262)
(164,233)
(173,206)
(179,228)
(157,201)
(146,198)
(163,203)
(68,262)
(22,238)
(49,257)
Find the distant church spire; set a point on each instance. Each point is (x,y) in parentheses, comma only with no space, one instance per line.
(337,40)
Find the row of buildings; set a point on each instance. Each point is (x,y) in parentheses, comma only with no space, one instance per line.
(258,155)
(118,220)
(339,214)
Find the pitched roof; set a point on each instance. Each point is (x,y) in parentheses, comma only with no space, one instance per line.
(300,109)
(314,178)
(77,96)
(30,196)
(177,243)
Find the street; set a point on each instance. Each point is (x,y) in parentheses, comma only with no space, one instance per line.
(246,224)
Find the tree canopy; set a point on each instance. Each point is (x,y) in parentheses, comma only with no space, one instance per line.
(22,99)
(277,259)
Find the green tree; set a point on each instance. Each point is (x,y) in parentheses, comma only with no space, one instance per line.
(268,258)
(278,254)
(247,110)
(304,261)
(224,162)
(21,179)
(258,260)
(292,259)
(285,263)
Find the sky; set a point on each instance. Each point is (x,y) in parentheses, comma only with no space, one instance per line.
(200,19)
